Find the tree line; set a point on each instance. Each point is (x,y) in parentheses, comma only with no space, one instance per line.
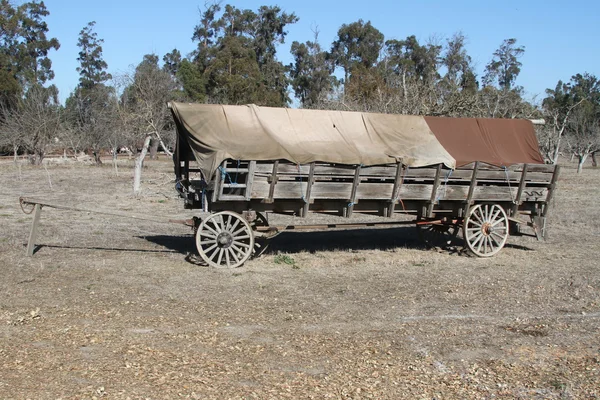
(236,62)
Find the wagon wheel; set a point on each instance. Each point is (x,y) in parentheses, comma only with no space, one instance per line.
(225,240)
(438,235)
(486,229)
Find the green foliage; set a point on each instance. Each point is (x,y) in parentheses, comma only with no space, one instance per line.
(356,43)
(192,81)
(24,49)
(92,67)
(284,259)
(311,72)
(505,65)
(236,56)
(172,62)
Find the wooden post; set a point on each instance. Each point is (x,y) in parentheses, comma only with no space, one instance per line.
(522,184)
(469,199)
(400,171)
(551,190)
(355,184)
(434,189)
(250,179)
(272,182)
(309,184)
(33,233)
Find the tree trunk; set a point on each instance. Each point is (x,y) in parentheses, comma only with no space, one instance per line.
(37,157)
(581,160)
(594,162)
(15,154)
(139,163)
(115,159)
(97,157)
(153,149)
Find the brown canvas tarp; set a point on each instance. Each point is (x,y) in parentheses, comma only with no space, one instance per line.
(500,142)
(217,132)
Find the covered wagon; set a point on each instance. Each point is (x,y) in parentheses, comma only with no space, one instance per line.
(239,163)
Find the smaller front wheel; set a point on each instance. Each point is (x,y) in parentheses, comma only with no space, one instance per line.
(225,240)
(486,229)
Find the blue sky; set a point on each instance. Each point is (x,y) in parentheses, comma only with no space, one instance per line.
(560,37)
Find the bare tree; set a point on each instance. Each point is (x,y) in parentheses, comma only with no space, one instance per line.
(583,135)
(34,124)
(145,102)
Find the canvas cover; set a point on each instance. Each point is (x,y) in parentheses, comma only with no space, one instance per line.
(218,132)
(500,142)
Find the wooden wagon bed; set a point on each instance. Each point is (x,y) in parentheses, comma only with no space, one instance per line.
(482,199)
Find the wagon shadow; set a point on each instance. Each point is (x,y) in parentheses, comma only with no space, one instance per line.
(312,242)
(296,242)
(351,239)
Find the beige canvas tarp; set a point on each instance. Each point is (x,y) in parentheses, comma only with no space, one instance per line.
(218,132)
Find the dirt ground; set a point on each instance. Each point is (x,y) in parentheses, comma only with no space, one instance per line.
(113,307)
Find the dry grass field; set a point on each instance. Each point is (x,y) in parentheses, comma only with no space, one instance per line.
(114,308)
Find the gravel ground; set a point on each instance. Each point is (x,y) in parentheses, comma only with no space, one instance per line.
(117,308)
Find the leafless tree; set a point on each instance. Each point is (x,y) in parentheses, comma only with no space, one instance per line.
(583,136)
(34,124)
(144,109)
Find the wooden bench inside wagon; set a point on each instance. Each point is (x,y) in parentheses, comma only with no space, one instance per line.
(484,177)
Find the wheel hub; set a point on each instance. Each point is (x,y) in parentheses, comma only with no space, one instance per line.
(225,239)
(487,229)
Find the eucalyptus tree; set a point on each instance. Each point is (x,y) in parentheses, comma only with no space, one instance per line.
(236,59)
(311,73)
(357,44)
(90,108)
(24,68)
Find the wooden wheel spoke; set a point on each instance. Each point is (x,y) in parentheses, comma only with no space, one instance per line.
(228,224)
(497,222)
(207,235)
(221,251)
(227,258)
(210,230)
(232,251)
(478,217)
(210,248)
(493,218)
(242,229)
(208,242)
(241,237)
(235,224)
